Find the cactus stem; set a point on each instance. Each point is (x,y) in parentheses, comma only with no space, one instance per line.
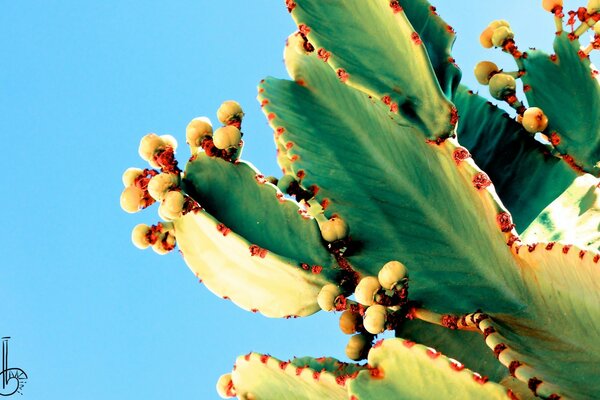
(445,320)
(585,25)
(558,20)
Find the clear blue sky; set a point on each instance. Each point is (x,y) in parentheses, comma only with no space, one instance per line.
(90,316)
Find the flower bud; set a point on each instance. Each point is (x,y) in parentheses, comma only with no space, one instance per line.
(171,207)
(150,145)
(225,387)
(196,130)
(357,347)
(349,322)
(139,236)
(502,85)
(284,183)
(327,295)
(391,273)
(165,243)
(227,137)
(130,175)
(334,229)
(375,318)
(483,71)
(366,290)
(501,35)
(160,184)
(230,111)
(132,199)
(550,5)
(534,120)
(486,38)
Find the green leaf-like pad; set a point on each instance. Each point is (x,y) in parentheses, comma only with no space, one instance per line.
(403,198)
(526,176)
(405,370)
(378,48)
(238,196)
(263,282)
(570,96)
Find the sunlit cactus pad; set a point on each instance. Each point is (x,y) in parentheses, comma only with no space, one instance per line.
(407,203)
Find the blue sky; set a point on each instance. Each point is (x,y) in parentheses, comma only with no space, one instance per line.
(89,315)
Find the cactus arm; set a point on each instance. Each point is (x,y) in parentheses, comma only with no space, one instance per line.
(371,45)
(572,218)
(462,345)
(264,282)
(526,176)
(257,376)
(400,369)
(561,325)
(426,204)
(569,94)
(438,38)
(239,197)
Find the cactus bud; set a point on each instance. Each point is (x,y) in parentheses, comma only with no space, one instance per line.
(225,387)
(171,207)
(165,243)
(593,6)
(160,184)
(327,296)
(550,5)
(230,111)
(534,120)
(366,290)
(284,183)
(226,137)
(375,318)
(150,145)
(486,38)
(391,273)
(139,236)
(130,175)
(334,229)
(501,35)
(357,347)
(132,199)
(502,85)
(196,130)
(484,70)
(349,322)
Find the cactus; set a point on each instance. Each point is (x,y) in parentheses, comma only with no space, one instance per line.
(460,229)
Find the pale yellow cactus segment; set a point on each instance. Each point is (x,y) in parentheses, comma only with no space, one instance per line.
(593,6)
(263,377)
(264,282)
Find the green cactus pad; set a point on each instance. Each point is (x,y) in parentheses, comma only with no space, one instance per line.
(256,281)
(373,48)
(400,369)
(556,337)
(526,176)
(465,346)
(265,377)
(238,196)
(438,38)
(403,197)
(569,95)
(572,218)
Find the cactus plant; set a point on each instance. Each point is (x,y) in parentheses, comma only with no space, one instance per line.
(409,191)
